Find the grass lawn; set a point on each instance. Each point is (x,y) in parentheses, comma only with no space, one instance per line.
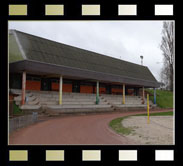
(164,98)
(118,127)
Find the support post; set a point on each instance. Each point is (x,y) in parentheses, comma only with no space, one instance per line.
(23,87)
(97,93)
(148,109)
(123,94)
(60,90)
(143,95)
(154,95)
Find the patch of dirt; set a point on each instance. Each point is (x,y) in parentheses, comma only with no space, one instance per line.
(158,132)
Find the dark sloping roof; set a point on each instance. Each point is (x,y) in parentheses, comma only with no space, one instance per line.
(43,50)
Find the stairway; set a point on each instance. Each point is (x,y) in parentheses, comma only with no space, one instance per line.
(131,102)
(48,101)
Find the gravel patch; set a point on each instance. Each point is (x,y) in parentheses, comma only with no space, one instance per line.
(158,132)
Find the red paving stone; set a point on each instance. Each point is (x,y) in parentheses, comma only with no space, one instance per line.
(76,129)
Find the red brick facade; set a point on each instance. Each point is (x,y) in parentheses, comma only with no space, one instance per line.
(36,85)
(33,85)
(86,89)
(65,88)
(54,86)
(116,91)
(102,90)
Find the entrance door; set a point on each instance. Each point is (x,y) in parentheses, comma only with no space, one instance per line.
(45,84)
(108,89)
(76,87)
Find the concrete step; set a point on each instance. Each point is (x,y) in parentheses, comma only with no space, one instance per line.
(82,102)
(130,100)
(35,102)
(118,103)
(67,100)
(77,106)
(51,110)
(32,98)
(30,107)
(29,96)
(114,98)
(72,103)
(111,95)
(131,105)
(48,102)
(32,102)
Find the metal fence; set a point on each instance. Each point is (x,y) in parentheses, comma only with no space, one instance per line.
(22,121)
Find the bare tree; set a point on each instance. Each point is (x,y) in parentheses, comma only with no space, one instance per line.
(167,47)
(164,75)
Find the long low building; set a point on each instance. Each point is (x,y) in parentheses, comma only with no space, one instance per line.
(40,64)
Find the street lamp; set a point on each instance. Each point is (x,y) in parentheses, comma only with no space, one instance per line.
(141,60)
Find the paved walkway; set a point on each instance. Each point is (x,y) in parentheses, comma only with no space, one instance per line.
(78,129)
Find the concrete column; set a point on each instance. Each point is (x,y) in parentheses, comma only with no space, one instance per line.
(123,94)
(154,95)
(143,95)
(23,87)
(97,93)
(60,90)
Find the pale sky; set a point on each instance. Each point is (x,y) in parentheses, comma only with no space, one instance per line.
(125,40)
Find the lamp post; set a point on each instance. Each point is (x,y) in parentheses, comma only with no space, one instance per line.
(141,57)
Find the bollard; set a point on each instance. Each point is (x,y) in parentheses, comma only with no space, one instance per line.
(148,109)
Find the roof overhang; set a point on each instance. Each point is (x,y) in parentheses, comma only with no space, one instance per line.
(46,68)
